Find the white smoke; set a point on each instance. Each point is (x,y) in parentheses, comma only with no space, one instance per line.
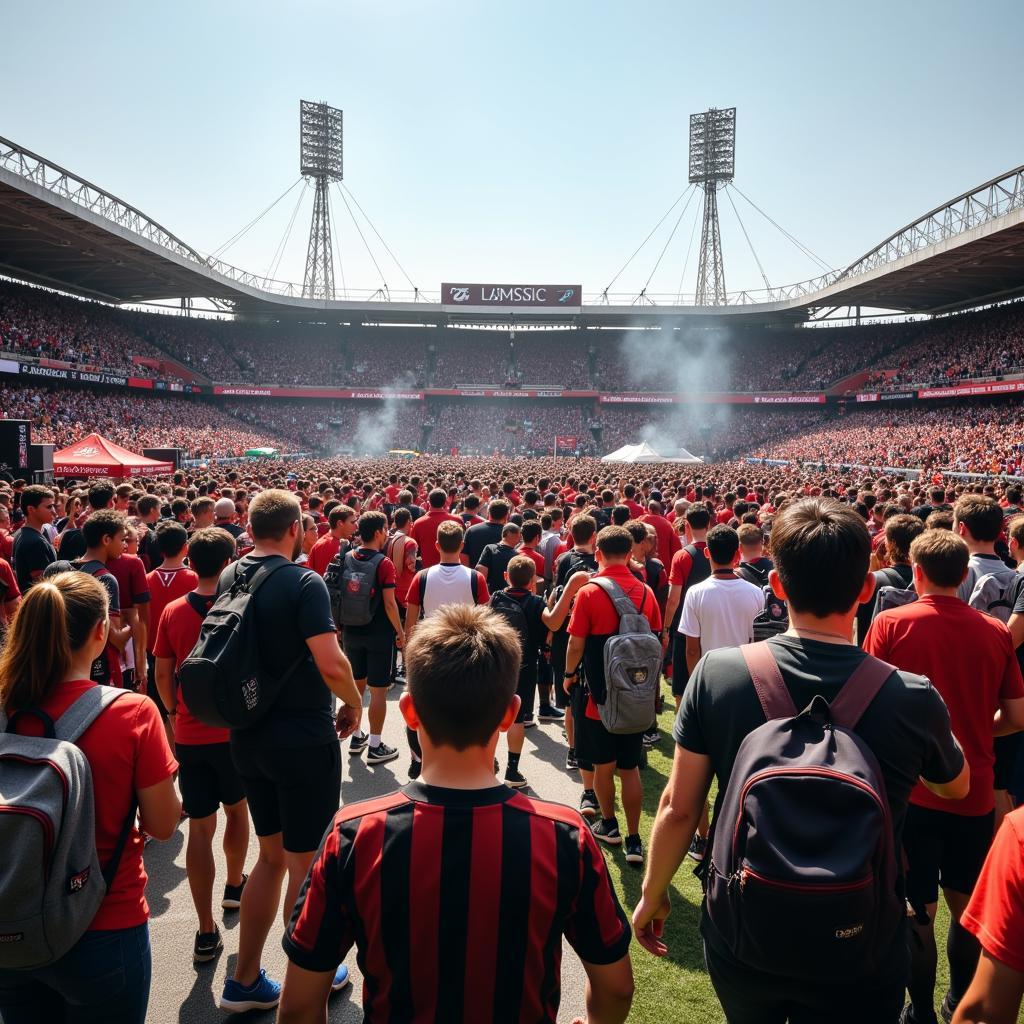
(690,362)
(375,430)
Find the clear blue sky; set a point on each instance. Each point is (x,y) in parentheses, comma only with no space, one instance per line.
(527,141)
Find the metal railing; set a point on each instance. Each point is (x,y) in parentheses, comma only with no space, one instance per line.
(995,198)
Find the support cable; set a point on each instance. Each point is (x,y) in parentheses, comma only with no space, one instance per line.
(378,234)
(238,235)
(337,242)
(275,260)
(686,262)
(369,251)
(647,239)
(803,248)
(743,228)
(668,242)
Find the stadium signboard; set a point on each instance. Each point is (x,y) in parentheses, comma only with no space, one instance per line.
(710,398)
(511,296)
(996,387)
(63,373)
(274,392)
(885,396)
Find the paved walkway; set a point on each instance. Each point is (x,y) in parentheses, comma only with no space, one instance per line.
(184,993)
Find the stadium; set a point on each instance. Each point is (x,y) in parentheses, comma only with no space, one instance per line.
(512,371)
(780,527)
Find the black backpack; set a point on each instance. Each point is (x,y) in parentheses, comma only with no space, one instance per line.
(802,876)
(773,619)
(515,615)
(223,681)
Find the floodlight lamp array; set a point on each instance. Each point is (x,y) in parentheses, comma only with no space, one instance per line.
(320,141)
(713,145)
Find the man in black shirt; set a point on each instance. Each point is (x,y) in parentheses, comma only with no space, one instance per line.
(494,558)
(479,536)
(906,727)
(900,531)
(289,761)
(32,551)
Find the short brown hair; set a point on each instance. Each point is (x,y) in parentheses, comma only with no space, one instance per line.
(940,519)
(900,531)
(615,541)
(521,571)
(821,550)
(1015,529)
(981,515)
(450,537)
(208,549)
(942,556)
(583,528)
(271,513)
(462,666)
(750,534)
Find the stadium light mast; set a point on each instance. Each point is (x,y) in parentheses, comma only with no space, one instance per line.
(320,161)
(712,165)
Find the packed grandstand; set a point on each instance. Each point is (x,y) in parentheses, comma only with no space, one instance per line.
(935,394)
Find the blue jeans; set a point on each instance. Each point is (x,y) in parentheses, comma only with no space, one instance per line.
(103,978)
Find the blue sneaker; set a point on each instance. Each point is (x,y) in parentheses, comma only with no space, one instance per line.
(341,979)
(263,994)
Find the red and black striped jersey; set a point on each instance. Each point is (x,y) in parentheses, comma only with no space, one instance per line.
(457,901)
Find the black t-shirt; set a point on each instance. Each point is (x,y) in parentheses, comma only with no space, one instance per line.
(32,553)
(478,537)
(573,561)
(292,606)
(901,576)
(494,560)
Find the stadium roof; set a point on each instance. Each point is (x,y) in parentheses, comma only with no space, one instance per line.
(61,231)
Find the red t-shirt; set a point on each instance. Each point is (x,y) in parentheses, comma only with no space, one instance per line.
(593,613)
(424,532)
(165,586)
(537,558)
(724,516)
(682,563)
(175,637)
(130,573)
(321,553)
(391,493)
(970,660)
(402,553)
(995,915)
(8,583)
(6,545)
(635,510)
(127,751)
(668,539)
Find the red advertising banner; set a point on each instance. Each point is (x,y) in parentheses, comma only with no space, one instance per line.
(520,296)
(996,387)
(566,441)
(272,392)
(639,398)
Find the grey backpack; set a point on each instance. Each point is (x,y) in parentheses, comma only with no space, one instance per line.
(51,882)
(356,597)
(995,594)
(632,666)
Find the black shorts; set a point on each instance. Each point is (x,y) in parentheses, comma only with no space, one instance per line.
(944,849)
(559,647)
(207,778)
(680,673)
(596,745)
(527,690)
(151,686)
(371,659)
(294,791)
(1007,751)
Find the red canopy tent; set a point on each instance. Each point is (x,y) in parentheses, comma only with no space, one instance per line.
(96,456)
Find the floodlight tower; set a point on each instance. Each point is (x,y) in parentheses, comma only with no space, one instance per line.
(320,160)
(712,164)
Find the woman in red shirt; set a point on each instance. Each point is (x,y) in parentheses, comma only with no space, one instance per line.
(60,629)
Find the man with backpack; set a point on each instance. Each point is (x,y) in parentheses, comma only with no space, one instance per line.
(900,531)
(367,611)
(979,520)
(528,615)
(801,949)
(614,698)
(289,760)
(970,660)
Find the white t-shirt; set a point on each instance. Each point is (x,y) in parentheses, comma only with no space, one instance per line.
(721,612)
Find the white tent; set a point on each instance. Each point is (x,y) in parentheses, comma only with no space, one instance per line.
(643,452)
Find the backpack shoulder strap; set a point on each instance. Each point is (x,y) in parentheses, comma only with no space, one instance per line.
(261,574)
(859,691)
(474,585)
(85,710)
(772,691)
(623,605)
